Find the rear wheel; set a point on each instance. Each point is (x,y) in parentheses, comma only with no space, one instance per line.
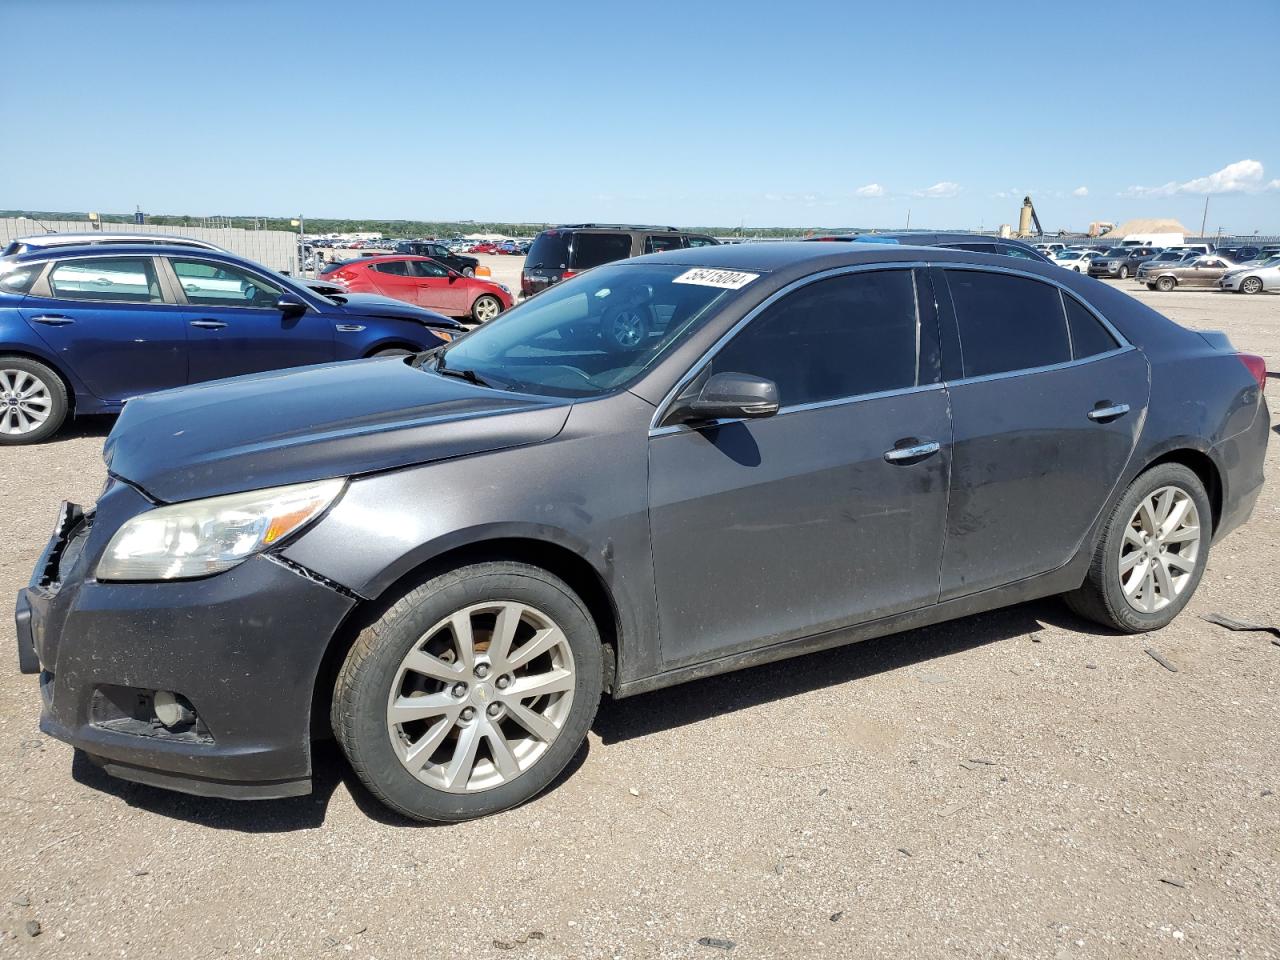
(1165,284)
(485,308)
(471,693)
(33,401)
(1251,285)
(1152,553)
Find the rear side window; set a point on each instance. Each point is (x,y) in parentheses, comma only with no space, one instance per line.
(1088,336)
(697,240)
(550,249)
(1009,250)
(1007,323)
(659,244)
(592,249)
(836,338)
(123,279)
(974,247)
(19,278)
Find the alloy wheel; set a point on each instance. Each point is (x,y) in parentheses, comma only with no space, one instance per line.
(487,308)
(25,402)
(1160,549)
(628,328)
(481,697)
(1251,285)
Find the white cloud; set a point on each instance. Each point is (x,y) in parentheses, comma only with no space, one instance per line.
(1274,185)
(942,190)
(1080,192)
(1243,176)
(870,190)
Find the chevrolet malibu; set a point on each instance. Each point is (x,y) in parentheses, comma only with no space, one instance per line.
(665,468)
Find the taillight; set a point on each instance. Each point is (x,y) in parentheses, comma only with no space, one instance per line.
(568,273)
(1256,366)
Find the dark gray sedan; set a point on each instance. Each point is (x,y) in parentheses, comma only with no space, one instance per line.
(666,468)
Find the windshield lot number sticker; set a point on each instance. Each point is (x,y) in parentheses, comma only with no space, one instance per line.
(724,279)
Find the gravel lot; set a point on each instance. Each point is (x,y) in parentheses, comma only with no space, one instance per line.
(1016,784)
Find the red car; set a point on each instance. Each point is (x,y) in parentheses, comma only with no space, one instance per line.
(422,281)
(484,246)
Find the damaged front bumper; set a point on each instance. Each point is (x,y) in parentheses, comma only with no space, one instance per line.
(241,651)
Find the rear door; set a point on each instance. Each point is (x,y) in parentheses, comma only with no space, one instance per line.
(234,326)
(1046,406)
(768,530)
(109,319)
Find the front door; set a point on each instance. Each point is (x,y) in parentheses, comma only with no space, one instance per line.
(234,326)
(768,530)
(439,289)
(108,320)
(1046,409)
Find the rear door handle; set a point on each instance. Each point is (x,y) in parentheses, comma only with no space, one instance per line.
(208,324)
(1105,411)
(911,450)
(53,320)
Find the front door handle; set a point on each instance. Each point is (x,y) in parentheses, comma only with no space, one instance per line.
(208,324)
(53,320)
(1104,411)
(911,450)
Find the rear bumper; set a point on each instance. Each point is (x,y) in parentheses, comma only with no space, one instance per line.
(244,648)
(1242,457)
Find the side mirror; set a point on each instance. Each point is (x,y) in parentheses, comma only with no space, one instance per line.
(291,306)
(454,275)
(731,396)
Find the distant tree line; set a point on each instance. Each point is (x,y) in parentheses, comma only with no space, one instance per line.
(393,228)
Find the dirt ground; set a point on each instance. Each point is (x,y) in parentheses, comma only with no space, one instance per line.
(1016,784)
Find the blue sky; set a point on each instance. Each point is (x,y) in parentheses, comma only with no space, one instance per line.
(693,113)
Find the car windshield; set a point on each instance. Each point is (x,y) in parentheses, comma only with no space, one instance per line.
(1119,252)
(590,335)
(1067,255)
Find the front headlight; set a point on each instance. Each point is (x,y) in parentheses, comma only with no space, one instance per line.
(203,537)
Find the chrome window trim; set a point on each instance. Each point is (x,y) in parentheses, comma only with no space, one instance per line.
(692,372)
(44,281)
(1124,346)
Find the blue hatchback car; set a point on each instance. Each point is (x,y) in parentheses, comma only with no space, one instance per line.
(83,329)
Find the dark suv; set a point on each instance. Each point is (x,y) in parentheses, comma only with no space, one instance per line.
(440,254)
(1122,262)
(559,253)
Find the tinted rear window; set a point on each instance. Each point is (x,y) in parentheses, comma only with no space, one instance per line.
(593,249)
(550,249)
(18,278)
(1007,323)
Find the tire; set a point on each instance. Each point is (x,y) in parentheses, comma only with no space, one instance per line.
(1103,595)
(1124,273)
(377,669)
(392,352)
(626,328)
(1165,284)
(33,401)
(468,271)
(486,308)
(1251,285)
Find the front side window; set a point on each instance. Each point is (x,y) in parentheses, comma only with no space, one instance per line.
(660,244)
(590,335)
(842,337)
(974,247)
(1009,250)
(1007,323)
(426,268)
(593,249)
(696,240)
(397,268)
(124,279)
(212,284)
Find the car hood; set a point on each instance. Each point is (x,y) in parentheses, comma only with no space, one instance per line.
(373,305)
(310,423)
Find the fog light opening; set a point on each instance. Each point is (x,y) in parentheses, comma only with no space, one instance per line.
(173,710)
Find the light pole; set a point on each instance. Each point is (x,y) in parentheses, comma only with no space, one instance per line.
(302,256)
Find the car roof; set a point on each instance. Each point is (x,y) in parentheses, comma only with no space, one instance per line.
(649,228)
(120,249)
(76,239)
(810,257)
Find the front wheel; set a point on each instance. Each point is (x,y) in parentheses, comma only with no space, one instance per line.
(471,693)
(1251,285)
(1124,273)
(485,308)
(1165,284)
(1151,555)
(33,401)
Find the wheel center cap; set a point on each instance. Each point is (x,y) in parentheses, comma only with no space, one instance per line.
(482,693)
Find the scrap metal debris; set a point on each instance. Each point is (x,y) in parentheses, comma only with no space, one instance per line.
(835,917)
(1160,660)
(520,942)
(1172,882)
(1231,623)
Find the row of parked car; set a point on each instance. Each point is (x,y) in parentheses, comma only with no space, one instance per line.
(457,245)
(1243,269)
